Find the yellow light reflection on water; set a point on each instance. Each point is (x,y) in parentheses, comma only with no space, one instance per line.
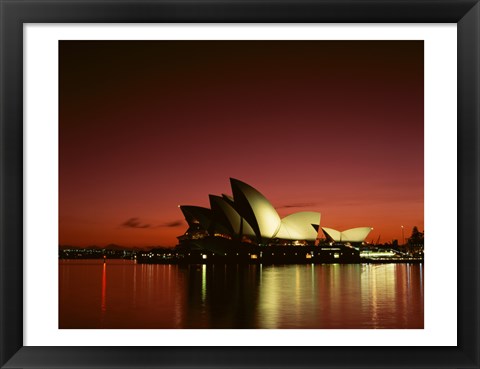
(204,283)
(269,294)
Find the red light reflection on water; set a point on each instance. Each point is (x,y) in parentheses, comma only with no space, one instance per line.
(104,288)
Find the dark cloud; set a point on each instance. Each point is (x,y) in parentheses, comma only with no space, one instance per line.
(134,223)
(297,205)
(175,223)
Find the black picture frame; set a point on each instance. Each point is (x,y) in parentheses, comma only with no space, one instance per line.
(15,13)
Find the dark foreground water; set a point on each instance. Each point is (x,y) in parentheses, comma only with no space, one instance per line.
(121,294)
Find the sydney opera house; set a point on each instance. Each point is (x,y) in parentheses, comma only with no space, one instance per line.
(247,219)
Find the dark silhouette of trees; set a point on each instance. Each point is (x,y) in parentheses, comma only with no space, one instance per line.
(416,239)
(415,243)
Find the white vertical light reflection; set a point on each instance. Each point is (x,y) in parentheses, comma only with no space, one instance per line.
(269,296)
(204,283)
(298,292)
(374,297)
(401,273)
(335,294)
(409,292)
(421,280)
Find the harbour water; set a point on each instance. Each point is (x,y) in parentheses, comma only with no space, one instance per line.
(123,294)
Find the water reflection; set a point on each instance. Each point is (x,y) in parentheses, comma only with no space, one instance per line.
(104,288)
(234,296)
(220,296)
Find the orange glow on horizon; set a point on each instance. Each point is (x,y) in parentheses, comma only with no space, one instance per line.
(334,127)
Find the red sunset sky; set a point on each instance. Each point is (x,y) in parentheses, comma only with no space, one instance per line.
(328,126)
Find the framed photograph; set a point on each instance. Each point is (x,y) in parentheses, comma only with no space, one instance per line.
(239,184)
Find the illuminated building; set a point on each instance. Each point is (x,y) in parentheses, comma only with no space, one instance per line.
(239,227)
(354,235)
(248,217)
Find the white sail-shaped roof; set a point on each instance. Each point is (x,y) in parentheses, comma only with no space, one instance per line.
(256,209)
(299,226)
(238,225)
(350,235)
(249,213)
(197,215)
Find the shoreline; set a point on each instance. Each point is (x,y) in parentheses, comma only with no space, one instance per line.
(255,262)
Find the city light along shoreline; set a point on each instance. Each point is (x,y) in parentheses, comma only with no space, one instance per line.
(325,253)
